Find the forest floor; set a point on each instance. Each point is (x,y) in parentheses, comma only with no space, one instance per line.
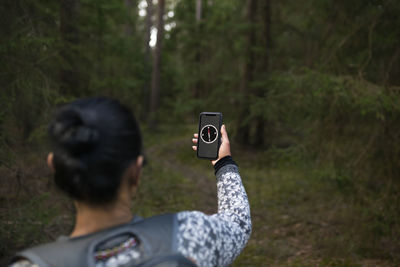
(298,220)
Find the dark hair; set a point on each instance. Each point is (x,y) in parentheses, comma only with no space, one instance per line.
(94,141)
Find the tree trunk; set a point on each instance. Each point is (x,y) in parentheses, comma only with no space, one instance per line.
(197,58)
(155,81)
(131,8)
(147,86)
(149,24)
(69,75)
(198,10)
(243,133)
(261,124)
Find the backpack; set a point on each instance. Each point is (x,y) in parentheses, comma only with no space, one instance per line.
(155,245)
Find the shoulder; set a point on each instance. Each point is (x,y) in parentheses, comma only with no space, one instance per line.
(211,240)
(195,225)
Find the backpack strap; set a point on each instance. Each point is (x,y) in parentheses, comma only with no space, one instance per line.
(168,260)
(156,235)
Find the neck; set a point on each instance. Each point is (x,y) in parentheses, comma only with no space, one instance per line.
(91,219)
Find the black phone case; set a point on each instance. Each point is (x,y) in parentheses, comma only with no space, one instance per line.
(209,151)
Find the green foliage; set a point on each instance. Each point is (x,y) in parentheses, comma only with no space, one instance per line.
(325,87)
(106,60)
(349,119)
(342,131)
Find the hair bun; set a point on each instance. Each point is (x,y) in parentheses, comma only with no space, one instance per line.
(69,130)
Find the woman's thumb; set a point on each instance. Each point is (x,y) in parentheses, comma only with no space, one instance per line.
(224,134)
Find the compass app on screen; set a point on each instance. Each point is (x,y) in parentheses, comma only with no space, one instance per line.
(209,135)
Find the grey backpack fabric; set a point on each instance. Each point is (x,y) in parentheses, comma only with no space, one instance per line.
(156,245)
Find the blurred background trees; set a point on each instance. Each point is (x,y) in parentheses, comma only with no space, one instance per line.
(317,81)
(216,53)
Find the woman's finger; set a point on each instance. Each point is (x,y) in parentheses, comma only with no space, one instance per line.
(194,148)
(224,134)
(196,135)
(194,140)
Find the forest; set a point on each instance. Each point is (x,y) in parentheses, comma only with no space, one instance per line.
(309,91)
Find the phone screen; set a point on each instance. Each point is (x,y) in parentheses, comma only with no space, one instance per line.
(209,135)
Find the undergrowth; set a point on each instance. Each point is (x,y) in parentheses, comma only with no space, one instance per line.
(305,210)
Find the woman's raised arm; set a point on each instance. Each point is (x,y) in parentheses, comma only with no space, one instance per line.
(216,240)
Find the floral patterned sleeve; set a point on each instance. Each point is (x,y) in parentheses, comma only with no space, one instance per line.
(216,240)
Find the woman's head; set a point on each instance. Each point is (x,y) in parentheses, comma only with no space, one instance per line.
(94,141)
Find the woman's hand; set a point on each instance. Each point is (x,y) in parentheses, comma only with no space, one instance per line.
(224,149)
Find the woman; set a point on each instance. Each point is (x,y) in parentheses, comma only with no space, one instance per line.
(97,160)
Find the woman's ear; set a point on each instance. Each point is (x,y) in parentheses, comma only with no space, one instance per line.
(137,170)
(139,162)
(50,161)
(132,174)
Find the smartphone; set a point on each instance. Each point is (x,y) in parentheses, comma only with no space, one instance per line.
(209,139)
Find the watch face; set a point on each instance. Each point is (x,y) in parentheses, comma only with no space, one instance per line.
(209,134)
